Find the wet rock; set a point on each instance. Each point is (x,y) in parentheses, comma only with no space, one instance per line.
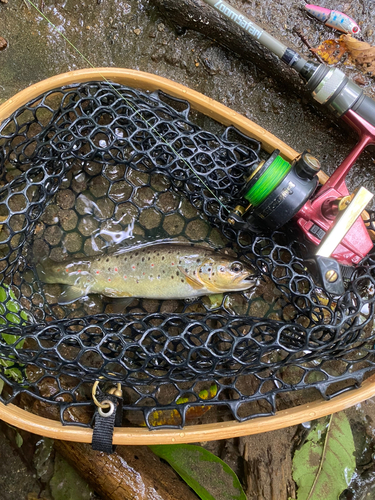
(168,202)
(68,219)
(17,202)
(173,224)
(84,204)
(37,300)
(73,242)
(187,210)
(53,235)
(126,213)
(93,168)
(79,182)
(114,172)
(52,293)
(198,16)
(99,186)
(258,309)
(216,239)
(17,480)
(87,225)
(93,246)
(169,306)
(137,178)
(39,229)
(59,312)
(160,182)
(289,313)
(58,254)
(150,218)
(26,290)
(3,43)
(144,197)
(120,191)
(50,215)
(151,306)
(197,230)
(17,222)
(67,180)
(104,208)
(40,249)
(65,198)
(93,305)
(112,232)
(12,174)
(25,303)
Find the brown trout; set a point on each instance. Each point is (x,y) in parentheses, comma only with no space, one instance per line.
(171,270)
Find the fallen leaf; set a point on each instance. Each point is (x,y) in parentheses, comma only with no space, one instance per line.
(331,51)
(323,467)
(3,43)
(361,53)
(205,473)
(173,417)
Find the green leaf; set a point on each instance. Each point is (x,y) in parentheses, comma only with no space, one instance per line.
(206,474)
(19,440)
(323,467)
(66,484)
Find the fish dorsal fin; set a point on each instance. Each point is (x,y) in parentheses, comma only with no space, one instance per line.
(71,294)
(197,285)
(139,245)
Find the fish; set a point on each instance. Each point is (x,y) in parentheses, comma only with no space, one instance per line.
(334,19)
(173,270)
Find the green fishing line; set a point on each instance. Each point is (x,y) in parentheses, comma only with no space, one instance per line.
(268,181)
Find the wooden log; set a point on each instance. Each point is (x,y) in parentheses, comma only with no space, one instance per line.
(198,16)
(268,470)
(132,472)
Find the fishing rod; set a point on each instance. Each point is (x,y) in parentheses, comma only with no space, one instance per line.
(274,197)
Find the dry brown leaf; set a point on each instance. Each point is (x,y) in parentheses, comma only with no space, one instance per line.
(331,51)
(361,53)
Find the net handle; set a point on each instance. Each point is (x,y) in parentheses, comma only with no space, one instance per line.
(148,81)
(193,433)
(140,436)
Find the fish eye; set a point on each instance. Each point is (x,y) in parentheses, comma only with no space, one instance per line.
(355,29)
(236,267)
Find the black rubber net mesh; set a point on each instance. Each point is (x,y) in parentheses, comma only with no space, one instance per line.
(87,168)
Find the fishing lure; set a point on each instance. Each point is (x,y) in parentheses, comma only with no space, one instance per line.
(334,19)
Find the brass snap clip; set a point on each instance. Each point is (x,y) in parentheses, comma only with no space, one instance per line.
(106,404)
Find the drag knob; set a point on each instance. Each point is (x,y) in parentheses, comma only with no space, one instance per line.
(307,165)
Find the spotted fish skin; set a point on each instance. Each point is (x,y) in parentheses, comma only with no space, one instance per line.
(157,271)
(334,19)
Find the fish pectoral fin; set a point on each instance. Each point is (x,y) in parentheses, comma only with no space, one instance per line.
(119,305)
(192,281)
(71,294)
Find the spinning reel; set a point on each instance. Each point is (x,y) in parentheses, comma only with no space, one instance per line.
(277,191)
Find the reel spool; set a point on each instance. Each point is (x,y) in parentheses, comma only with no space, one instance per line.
(277,189)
